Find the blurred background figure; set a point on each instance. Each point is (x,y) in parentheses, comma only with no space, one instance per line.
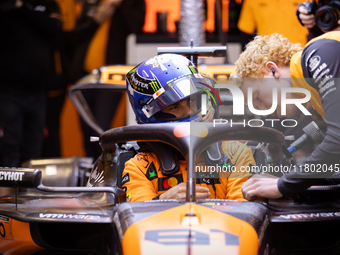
(100,38)
(59,79)
(29,31)
(265,17)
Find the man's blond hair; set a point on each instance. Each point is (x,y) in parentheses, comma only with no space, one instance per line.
(252,62)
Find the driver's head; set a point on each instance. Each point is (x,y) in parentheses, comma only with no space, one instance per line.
(168,88)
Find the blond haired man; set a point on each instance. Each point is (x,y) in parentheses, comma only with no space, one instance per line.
(275,61)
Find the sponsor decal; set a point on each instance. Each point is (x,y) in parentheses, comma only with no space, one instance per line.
(5,227)
(158,93)
(2,230)
(208,179)
(4,218)
(192,69)
(155,85)
(317,73)
(325,82)
(185,236)
(314,63)
(69,216)
(139,85)
(143,159)
(299,216)
(151,173)
(167,183)
(97,177)
(128,196)
(153,62)
(125,179)
(11,176)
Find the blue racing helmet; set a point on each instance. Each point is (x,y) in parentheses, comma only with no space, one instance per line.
(163,80)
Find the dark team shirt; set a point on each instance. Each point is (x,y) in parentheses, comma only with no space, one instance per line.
(319,65)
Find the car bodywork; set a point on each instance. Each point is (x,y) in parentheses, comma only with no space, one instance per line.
(98,220)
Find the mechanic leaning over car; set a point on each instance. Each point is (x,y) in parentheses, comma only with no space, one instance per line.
(163,89)
(318,65)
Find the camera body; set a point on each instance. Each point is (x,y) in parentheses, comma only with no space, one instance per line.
(326,12)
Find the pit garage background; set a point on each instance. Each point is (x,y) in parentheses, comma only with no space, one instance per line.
(158,34)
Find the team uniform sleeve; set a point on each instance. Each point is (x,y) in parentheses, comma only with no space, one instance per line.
(321,69)
(134,181)
(242,158)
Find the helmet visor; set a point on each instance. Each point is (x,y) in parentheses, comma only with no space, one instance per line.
(174,92)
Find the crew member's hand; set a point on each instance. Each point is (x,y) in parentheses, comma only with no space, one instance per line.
(307,19)
(260,186)
(106,9)
(179,192)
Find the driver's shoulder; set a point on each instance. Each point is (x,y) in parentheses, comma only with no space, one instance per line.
(233,147)
(143,160)
(235,150)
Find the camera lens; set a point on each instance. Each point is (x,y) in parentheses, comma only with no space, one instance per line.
(326,18)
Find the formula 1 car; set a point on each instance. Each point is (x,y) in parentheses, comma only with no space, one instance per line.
(39,219)
(99,220)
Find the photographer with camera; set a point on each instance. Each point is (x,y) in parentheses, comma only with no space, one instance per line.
(320,17)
